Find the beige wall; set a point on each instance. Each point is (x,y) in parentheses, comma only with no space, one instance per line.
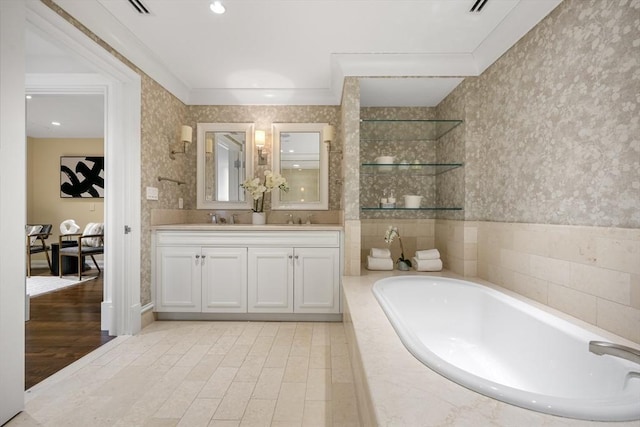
(44,204)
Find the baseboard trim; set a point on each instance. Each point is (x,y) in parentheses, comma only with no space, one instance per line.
(283,317)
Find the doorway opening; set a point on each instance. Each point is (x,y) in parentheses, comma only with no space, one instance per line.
(65,194)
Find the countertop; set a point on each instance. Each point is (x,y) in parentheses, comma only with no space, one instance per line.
(247,227)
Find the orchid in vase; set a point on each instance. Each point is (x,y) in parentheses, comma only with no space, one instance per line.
(390,235)
(258,189)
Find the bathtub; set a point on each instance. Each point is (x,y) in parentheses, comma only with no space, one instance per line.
(506,349)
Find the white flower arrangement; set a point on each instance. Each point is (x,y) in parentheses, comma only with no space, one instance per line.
(390,235)
(258,189)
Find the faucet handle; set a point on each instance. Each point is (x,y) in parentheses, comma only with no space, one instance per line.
(309,219)
(214,218)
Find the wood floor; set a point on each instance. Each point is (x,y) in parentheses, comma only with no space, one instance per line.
(64,326)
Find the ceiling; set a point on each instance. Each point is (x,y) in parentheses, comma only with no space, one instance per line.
(287,52)
(79,116)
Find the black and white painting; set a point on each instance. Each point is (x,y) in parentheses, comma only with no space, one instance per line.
(82,176)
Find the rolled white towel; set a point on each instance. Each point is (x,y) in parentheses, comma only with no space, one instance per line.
(427,264)
(380,253)
(379,263)
(428,254)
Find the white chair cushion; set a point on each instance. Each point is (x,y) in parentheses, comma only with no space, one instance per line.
(93,228)
(31,230)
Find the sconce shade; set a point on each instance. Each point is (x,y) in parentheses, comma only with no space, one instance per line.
(208,147)
(260,138)
(186,134)
(329,133)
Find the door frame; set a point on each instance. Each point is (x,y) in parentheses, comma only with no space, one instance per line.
(121,88)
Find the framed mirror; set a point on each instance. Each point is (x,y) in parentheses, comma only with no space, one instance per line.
(225,160)
(301,156)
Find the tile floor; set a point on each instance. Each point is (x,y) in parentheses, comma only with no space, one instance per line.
(205,374)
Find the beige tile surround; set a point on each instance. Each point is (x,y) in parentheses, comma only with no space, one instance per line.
(592,273)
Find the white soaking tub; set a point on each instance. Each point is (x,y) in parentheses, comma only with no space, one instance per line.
(506,349)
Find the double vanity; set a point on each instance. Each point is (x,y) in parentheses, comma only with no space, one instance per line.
(253,272)
(247,272)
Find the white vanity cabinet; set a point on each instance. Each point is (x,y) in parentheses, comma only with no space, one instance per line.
(252,272)
(224,280)
(201,279)
(178,279)
(294,280)
(270,284)
(316,280)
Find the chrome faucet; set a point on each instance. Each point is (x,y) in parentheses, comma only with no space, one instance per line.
(601,348)
(214,218)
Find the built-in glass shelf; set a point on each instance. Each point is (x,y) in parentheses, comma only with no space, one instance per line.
(429,208)
(426,169)
(405,130)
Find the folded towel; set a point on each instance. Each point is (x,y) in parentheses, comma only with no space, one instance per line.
(380,253)
(427,264)
(379,263)
(428,254)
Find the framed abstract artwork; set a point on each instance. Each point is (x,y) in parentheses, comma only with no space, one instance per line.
(82,176)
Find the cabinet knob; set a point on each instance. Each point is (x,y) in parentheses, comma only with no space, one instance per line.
(197,256)
(296,257)
(290,256)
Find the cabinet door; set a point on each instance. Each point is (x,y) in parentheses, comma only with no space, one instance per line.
(178,279)
(317,280)
(224,280)
(270,288)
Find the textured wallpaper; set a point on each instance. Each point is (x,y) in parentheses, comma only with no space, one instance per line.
(450,186)
(552,129)
(350,113)
(161,118)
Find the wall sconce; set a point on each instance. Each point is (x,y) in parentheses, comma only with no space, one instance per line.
(208,146)
(186,137)
(259,139)
(328,135)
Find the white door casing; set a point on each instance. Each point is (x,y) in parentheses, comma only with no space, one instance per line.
(12,208)
(121,88)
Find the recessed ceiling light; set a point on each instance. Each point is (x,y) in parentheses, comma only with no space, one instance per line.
(217,7)
(291,151)
(296,166)
(28,97)
(55,123)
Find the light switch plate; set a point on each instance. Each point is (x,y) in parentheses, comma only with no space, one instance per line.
(152,193)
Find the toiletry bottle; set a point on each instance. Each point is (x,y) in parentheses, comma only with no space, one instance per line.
(383,199)
(392,198)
